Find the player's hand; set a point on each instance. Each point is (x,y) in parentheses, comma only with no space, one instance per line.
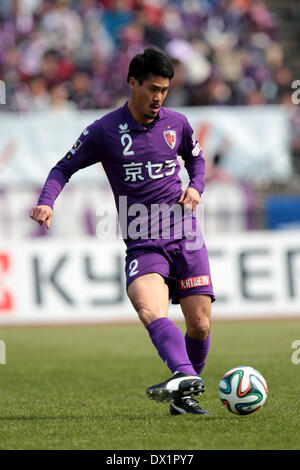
(189,198)
(42,214)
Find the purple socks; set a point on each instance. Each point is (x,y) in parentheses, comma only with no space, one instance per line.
(170,345)
(197,351)
(183,354)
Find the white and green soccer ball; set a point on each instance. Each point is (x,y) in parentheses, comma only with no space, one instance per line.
(243,390)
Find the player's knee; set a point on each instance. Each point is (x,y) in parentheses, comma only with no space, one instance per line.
(148,314)
(198,332)
(147,310)
(198,327)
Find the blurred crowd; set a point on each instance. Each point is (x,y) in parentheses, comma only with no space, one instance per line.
(65,54)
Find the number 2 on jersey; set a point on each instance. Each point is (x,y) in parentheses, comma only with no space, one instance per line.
(126,141)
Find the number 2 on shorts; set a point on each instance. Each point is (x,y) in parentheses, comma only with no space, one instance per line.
(132,267)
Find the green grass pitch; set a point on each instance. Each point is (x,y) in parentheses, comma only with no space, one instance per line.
(84,388)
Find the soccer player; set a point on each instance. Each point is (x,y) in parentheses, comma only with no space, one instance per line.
(138,146)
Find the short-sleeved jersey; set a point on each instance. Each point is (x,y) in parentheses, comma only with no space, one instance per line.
(141,162)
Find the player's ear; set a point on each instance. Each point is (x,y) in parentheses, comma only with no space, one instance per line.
(132,83)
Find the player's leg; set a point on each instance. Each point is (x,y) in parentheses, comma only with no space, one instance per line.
(195,295)
(194,292)
(149,295)
(197,310)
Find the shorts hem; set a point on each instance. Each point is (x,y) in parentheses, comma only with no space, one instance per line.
(176,298)
(165,277)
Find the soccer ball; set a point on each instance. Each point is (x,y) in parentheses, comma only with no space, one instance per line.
(243,390)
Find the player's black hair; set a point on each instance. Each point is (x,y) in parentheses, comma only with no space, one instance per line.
(151,61)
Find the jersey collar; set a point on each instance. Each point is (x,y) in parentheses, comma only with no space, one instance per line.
(132,122)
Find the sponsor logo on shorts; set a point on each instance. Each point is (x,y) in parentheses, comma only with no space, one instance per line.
(197,281)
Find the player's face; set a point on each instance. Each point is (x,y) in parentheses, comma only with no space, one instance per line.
(148,97)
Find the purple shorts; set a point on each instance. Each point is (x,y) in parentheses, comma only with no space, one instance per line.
(185,271)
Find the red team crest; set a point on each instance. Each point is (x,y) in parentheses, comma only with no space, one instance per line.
(170,138)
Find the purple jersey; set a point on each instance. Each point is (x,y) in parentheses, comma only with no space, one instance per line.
(140,161)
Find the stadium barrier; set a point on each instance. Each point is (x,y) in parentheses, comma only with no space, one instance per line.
(49,281)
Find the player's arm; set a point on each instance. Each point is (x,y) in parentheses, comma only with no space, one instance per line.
(194,162)
(85,152)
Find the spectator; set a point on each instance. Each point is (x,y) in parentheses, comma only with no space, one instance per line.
(59,99)
(81,94)
(225,51)
(39,93)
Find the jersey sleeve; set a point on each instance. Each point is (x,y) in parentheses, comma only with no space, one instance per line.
(85,152)
(194,162)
